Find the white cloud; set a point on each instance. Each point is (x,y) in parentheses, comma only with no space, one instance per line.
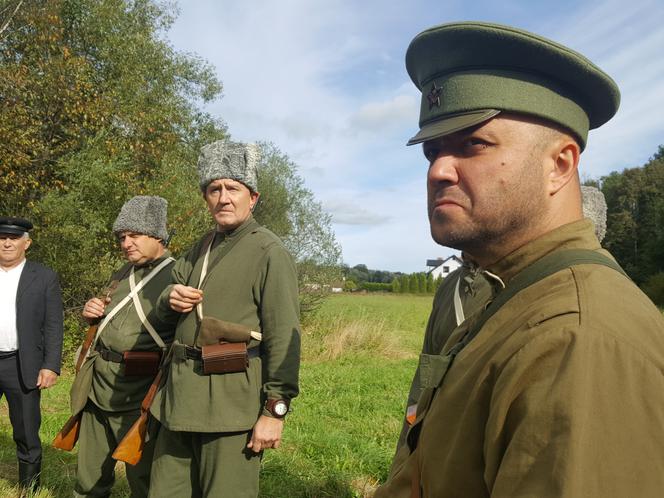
(376,116)
(324,81)
(352,213)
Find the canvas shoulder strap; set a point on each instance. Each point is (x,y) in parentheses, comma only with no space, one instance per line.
(539,270)
(139,307)
(126,300)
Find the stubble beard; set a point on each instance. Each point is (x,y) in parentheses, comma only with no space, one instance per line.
(504,217)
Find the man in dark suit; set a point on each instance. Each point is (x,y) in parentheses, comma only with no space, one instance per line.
(30,341)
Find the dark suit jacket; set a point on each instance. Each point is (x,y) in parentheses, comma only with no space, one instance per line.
(38,322)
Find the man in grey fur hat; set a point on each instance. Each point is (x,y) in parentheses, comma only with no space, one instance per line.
(127,350)
(234,291)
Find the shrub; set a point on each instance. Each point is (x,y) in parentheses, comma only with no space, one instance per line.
(654,288)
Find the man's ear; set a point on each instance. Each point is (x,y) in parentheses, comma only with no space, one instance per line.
(564,155)
(253,199)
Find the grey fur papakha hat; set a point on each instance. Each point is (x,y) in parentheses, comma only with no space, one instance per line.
(468,72)
(144,214)
(234,160)
(594,207)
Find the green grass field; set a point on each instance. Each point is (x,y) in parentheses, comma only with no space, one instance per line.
(359,351)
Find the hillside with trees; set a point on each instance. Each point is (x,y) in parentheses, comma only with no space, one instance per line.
(635,222)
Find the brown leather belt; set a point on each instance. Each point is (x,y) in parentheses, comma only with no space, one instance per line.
(108,354)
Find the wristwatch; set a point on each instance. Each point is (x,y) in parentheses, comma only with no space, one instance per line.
(278,408)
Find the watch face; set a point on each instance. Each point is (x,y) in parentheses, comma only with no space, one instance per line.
(280,408)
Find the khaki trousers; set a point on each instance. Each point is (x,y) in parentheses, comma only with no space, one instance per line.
(204,465)
(101,431)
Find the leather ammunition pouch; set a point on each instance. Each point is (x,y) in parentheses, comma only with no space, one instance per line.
(141,363)
(225,357)
(136,363)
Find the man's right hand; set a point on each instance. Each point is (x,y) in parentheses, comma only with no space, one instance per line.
(94,309)
(183,299)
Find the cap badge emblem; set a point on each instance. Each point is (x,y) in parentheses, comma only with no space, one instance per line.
(434,96)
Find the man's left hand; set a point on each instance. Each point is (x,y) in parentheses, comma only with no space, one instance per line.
(46,378)
(266,434)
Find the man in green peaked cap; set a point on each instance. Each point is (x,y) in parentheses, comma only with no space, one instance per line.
(553,388)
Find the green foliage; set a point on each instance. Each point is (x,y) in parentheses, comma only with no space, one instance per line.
(421,283)
(412,283)
(635,222)
(360,273)
(97,107)
(405,284)
(431,286)
(376,287)
(415,283)
(290,210)
(654,288)
(76,70)
(350,285)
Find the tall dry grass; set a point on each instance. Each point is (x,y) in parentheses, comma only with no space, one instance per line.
(327,339)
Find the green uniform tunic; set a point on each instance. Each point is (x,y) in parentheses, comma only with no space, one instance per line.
(113,400)
(111,390)
(561,394)
(474,293)
(251,280)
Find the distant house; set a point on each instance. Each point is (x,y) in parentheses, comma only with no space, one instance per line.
(443,267)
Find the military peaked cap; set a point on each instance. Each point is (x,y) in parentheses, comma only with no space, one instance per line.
(468,72)
(15,226)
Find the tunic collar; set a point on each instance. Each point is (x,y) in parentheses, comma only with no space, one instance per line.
(247,225)
(576,235)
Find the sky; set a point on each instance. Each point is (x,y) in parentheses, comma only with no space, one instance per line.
(325,81)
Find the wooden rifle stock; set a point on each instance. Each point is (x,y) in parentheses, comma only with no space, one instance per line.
(130,449)
(87,343)
(68,435)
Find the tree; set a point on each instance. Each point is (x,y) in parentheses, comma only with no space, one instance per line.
(413,284)
(97,107)
(431,287)
(396,286)
(635,222)
(290,210)
(405,284)
(78,70)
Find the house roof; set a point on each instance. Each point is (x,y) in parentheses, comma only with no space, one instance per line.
(435,263)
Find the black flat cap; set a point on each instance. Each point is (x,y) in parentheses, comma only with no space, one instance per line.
(16,226)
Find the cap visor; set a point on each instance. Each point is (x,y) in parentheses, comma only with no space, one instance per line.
(451,124)
(12,230)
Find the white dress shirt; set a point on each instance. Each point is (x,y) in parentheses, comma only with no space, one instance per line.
(8,287)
